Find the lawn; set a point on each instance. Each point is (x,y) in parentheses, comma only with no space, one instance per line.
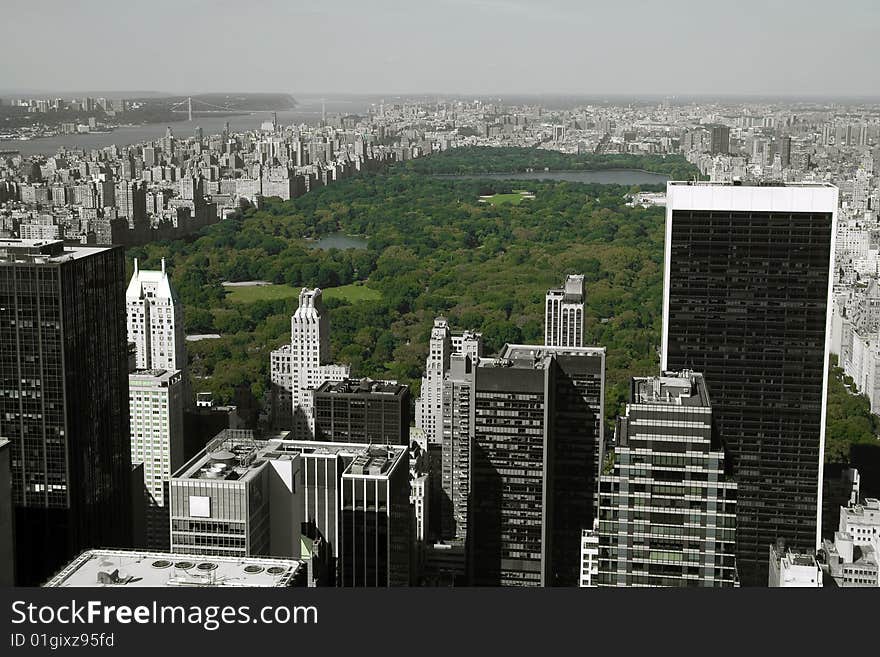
(252,293)
(352,293)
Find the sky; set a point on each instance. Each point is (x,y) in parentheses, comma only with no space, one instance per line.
(468,47)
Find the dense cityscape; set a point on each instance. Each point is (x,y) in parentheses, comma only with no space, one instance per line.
(507,461)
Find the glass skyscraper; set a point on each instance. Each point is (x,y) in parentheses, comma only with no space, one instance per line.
(748,273)
(64,400)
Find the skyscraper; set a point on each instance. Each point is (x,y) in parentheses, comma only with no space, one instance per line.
(748,275)
(511,524)
(156,408)
(577,425)
(302,366)
(443,344)
(667,513)
(155,320)
(564,314)
(64,401)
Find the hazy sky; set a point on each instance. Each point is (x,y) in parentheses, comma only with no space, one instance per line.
(794,47)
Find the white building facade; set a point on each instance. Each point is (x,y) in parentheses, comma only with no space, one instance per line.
(156,408)
(155,320)
(564,314)
(299,368)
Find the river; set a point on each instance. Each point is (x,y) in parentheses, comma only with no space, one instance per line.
(308,111)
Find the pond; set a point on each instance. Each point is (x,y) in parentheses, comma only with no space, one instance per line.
(339,241)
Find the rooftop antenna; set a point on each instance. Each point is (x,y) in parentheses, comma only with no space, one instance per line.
(135,266)
(163,265)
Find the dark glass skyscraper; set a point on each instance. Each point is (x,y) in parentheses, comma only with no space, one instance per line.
(536,448)
(64,400)
(746,302)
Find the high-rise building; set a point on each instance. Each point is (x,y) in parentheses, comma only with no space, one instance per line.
(564,314)
(155,321)
(64,401)
(443,344)
(748,276)
(241,497)
(299,368)
(7,517)
(510,531)
(376,519)
(577,425)
(362,411)
(156,408)
(458,402)
(720,140)
(667,513)
(536,421)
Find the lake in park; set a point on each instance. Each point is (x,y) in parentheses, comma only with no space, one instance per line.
(603,177)
(339,241)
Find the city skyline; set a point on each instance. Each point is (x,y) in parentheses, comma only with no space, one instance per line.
(484,40)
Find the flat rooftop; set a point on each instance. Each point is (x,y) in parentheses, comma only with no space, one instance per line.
(235,455)
(362,387)
(534,351)
(133,568)
(755,183)
(44,251)
(684,388)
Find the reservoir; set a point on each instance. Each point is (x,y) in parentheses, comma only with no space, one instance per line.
(603,177)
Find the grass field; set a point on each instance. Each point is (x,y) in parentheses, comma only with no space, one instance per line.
(252,293)
(352,293)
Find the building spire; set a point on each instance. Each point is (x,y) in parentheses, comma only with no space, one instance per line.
(135,266)
(163,266)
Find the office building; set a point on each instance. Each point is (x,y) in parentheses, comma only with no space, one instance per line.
(511,523)
(789,569)
(156,408)
(155,320)
(667,513)
(243,497)
(564,314)
(299,368)
(577,425)
(7,517)
(362,411)
(377,534)
(135,569)
(748,273)
(64,401)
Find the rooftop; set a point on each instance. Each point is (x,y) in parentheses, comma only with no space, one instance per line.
(43,251)
(362,386)
(235,455)
(133,568)
(683,388)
